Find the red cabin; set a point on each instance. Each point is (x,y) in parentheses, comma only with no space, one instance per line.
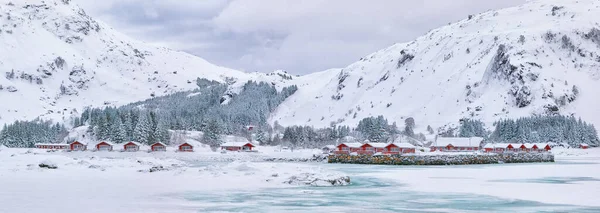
(394,149)
(238,146)
(132,146)
(77,146)
(104,146)
(543,147)
(158,147)
(347,148)
(52,146)
(186,147)
(584,146)
(366,149)
(456,144)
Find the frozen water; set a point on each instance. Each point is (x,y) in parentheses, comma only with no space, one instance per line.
(365,194)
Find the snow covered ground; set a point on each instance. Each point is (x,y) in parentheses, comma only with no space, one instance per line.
(241,182)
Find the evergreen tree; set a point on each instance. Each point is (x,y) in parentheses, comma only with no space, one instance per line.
(143,129)
(212,135)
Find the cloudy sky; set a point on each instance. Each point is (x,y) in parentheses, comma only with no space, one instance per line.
(300,36)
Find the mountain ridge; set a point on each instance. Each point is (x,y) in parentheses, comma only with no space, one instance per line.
(57,60)
(539,58)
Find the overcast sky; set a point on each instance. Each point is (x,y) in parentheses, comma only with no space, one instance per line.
(300,36)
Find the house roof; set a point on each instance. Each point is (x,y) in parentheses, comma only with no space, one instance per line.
(352,145)
(541,145)
(51,144)
(378,145)
(109,143)
(236,144)
(584,144)
(500,145)
(458,142)
(136,143)
(79,142)
(528,145)
(329,147)
(403,145)
(186,143)
(159,143)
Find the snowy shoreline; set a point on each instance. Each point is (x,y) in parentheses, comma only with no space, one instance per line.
(164,182)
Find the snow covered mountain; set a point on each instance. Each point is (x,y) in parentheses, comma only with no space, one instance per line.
(55,59)
(542,57)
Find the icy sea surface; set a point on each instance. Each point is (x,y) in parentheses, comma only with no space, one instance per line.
(371,194)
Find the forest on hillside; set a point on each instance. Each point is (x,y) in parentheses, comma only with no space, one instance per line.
(216,112)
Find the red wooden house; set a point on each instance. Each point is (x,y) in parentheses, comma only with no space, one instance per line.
(77,146)
(186,147)
(371,148)
(238,146)
(158,147)
(131,146)
(398,148)
(104,146)
(347,148)
(584,146)
(456,144)
(543,147)
(52,146)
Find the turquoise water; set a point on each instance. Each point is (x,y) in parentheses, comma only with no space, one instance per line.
(367,194)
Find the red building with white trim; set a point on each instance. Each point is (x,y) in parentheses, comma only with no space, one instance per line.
(456,144)
(104,146)
(238,146)
(347,148)
(399,148)
(77,146)
(52,146)
(186,147)
(131,146)
(158,147)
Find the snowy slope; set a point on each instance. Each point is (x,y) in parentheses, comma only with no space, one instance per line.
(55,60)
(542,57)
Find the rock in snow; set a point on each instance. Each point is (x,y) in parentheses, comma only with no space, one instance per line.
(313,179)
(48,165)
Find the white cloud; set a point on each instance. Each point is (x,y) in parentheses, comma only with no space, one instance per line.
(299,36)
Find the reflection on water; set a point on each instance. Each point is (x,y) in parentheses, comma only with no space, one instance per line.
(369,194)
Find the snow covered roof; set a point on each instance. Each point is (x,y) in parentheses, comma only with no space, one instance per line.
(84,143)
(136,143)
(186,143)
(159,143)
(329,147)
(51,144)
(528,145)
(458,142)
(378,145)
(584,144)
(500,145)
(236,144)
(404,145)
(352,145)
(541,145)
(109,143)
